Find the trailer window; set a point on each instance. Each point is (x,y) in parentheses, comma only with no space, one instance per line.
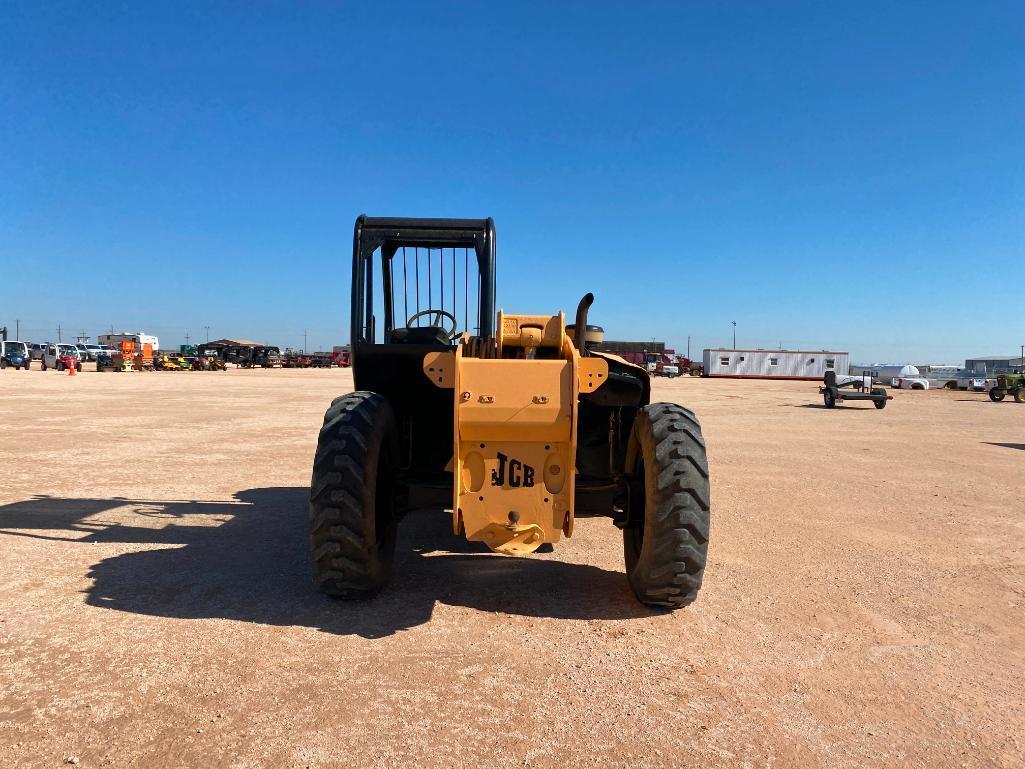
(773,361)
(829,362)
(724,360)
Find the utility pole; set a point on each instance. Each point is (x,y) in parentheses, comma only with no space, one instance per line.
(688,347)
(59,340)
(17,329)
(186,337)
(304,340)
(207,333)
(734,335)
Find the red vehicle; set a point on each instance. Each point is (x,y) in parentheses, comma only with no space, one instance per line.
(61,357)
(688,366)
(341,356)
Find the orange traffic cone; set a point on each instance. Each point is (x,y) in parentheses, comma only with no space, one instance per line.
(71,371)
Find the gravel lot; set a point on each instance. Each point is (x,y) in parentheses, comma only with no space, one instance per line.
(863,606)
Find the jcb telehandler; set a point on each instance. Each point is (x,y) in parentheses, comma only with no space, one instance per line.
(512,423)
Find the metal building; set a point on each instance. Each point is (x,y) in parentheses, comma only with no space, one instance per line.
(774,364)
(991,364)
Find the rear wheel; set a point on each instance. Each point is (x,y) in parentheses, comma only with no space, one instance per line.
(666,539)
(1019,395)
(352,510)
(996,394)
(829,398)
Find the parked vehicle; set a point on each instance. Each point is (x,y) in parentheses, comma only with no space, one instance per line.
(61,357)
(15,354)
(689,367)
(671,370)
(166,363)
(89,351)
(340,356)
(36,350)
(1008,384)
(910,383)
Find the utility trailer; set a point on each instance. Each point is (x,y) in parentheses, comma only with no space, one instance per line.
(832,392)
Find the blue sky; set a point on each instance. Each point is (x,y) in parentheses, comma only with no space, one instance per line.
(850,177)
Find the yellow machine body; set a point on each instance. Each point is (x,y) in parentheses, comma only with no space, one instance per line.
(515,425)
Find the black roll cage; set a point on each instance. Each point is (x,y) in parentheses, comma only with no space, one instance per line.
(389,234)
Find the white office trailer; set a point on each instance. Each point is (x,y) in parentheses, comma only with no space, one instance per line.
(775,364)
(885,373)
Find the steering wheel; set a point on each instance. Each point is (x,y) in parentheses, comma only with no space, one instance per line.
(438,315)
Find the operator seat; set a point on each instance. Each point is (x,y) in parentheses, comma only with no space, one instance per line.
(420,335)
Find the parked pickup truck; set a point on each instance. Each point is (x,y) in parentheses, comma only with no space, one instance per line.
(89,351)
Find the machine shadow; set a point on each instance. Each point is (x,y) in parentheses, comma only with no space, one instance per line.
(838,407)
(255,567)
(1019,446)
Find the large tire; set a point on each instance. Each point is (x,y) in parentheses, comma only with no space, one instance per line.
(1019,394)
(881,403)
(352,511)
(829,398)
(996,394)
(666,538)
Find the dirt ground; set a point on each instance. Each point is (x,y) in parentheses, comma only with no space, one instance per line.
(863,606)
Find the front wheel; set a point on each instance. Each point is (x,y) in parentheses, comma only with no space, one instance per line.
(829,398)
(665,541)
(352,510)
(996,394)
(1019,395)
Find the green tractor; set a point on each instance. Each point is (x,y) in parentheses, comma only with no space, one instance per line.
(1009,383)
